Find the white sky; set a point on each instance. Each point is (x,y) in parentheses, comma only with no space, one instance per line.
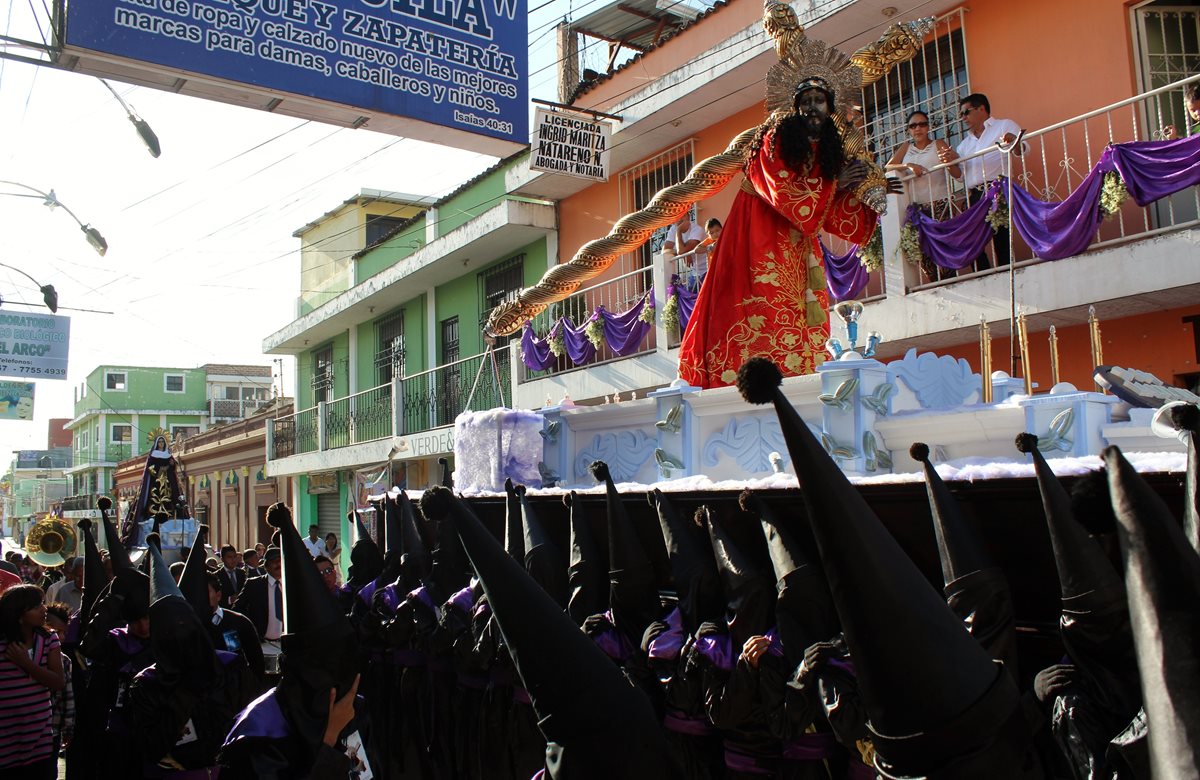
(201,262)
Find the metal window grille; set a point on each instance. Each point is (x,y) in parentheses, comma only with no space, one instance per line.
(451,397)
(322,379)
(499,284)
(934,82)
(638,185)
(378,227)
(389,347)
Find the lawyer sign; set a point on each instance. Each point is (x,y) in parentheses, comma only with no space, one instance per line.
(570,144)
(458,64)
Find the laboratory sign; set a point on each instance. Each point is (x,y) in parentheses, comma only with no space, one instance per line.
(458,64)
(34,346)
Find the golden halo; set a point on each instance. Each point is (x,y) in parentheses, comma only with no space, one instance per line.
(807,59)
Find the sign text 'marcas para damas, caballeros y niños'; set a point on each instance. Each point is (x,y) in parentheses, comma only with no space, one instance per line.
(456,63)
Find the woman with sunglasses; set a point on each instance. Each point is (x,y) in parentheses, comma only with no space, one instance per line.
(930,192)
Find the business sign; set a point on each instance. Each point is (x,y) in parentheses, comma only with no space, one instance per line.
(34,346)
(570,144)
(458,64)
(16,400)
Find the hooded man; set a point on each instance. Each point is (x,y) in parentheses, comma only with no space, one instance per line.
(938,705)
(1092,697)
(182,705)
(595,723)
(307,726)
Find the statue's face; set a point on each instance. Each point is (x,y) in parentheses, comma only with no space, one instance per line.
(813,105)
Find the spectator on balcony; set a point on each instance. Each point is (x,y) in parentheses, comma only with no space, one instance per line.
(313,542)
(232,578)
(930,192)
(683,243)
(68,590)
(984,132)
(333,550)
(1191,101)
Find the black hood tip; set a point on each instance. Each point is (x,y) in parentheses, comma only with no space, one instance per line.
(919,452)
(600,471)
(758,379)
(435,502)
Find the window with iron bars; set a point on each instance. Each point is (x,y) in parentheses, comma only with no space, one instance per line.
(639,185)
(322,378)
(499,284)
(934,82)
(389,347)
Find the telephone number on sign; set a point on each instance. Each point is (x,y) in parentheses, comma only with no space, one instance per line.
(39,370)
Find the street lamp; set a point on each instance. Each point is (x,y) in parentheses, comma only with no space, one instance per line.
(143,129)
(51,201)
(49,294)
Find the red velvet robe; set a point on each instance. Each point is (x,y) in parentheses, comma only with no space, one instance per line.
(752,302)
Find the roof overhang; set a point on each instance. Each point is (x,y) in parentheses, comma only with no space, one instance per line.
(502,229)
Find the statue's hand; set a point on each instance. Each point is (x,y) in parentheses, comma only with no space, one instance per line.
(895,186)
(852,175)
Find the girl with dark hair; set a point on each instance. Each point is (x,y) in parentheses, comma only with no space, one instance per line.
(30,669)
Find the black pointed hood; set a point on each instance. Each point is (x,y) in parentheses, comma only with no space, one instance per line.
(183,650)
(447,475)
(960,547)
(415,559)
(543,558)
(938,705)
(320,649)
(586,573)
(193,583)
(1087,580)
(597,724)
(632,586)
(94,578)
(116,551)
(1094,623)
(1186,418)
(804,610)
(697,581)
(449,572)
(360,529)
(748,591)
(366,557)
(1162,579)
(976,589)
(381,529)
(514,537)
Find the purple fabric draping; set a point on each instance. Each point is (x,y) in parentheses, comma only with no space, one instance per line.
(956,242)
(536,352)
(845,275)
(623,333)
(1155,169)
(686,300)
(1057,230)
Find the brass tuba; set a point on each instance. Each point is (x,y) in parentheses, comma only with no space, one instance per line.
(51,542)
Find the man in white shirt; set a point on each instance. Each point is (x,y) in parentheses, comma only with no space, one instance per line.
(313,542)
(984,132)
(68,590)
(684,240)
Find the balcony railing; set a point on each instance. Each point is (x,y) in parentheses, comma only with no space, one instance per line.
(235,409)
(110,452)
(428,400)
(616,295)
(1055,161)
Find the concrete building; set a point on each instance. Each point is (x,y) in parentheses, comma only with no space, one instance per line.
(120,410)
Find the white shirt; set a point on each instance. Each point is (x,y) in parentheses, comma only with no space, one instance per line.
(66,592)
(694,233)
(315,548)
(989,166)
(931,187)
(274,622)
